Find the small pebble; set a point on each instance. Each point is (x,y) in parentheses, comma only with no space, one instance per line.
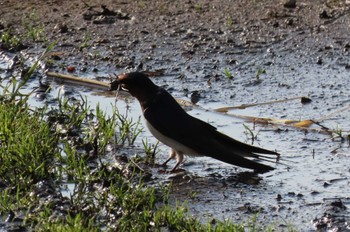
(70,68)
(290,3)
(278,197)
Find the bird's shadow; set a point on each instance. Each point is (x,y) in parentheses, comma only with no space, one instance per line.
(183,176)
(214,186)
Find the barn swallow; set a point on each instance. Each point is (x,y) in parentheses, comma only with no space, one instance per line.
(184,134)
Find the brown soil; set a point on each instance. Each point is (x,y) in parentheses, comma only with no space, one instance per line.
(125,33)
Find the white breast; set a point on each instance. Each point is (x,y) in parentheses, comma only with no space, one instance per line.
(170,142)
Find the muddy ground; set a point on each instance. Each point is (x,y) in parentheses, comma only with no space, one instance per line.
(273,49)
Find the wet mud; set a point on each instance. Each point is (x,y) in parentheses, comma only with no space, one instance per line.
(222,53)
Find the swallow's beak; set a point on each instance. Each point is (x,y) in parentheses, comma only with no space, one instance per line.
(117,84)
(114,85)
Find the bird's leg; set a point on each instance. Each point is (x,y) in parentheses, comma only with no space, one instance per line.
(179,159)
(172,154)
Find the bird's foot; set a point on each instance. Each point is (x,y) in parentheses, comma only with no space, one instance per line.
(174,170)
(166,162)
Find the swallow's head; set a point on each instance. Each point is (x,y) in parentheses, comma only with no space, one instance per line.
(136,83)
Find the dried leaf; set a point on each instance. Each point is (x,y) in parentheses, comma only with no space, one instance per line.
(78,80)
(304,123)
(226,109)
(184,103)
